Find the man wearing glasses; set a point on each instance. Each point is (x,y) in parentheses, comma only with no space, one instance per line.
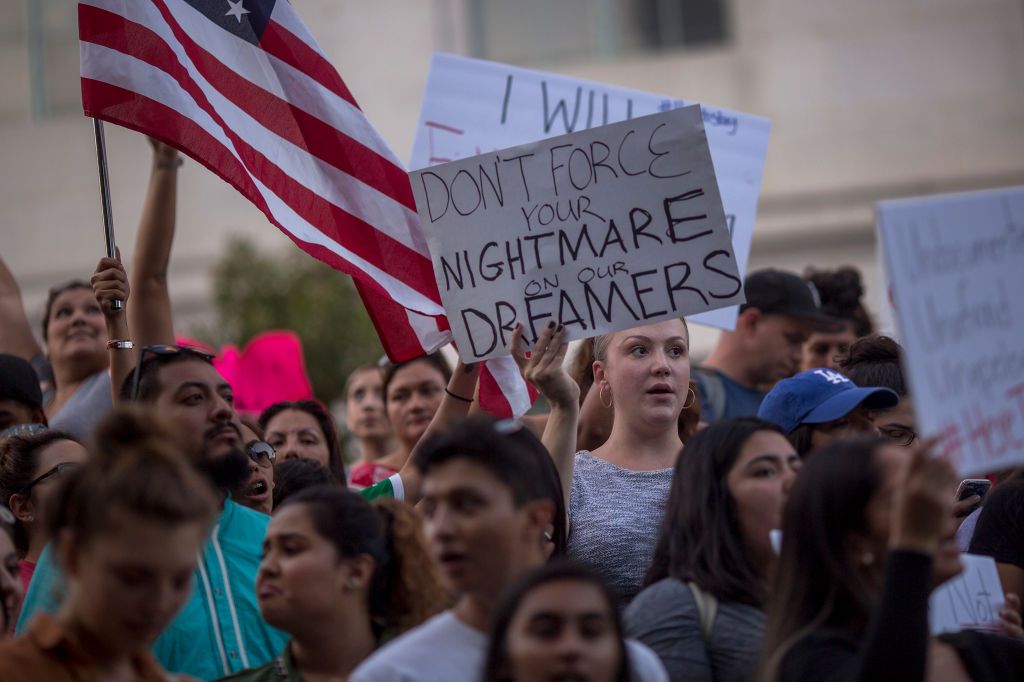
(220,630)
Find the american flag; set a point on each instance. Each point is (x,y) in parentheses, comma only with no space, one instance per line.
(242,87)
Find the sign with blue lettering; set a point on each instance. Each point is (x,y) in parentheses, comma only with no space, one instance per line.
(472,106)
(600,230)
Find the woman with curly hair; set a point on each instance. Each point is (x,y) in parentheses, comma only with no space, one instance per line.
(841,292)
(341,576)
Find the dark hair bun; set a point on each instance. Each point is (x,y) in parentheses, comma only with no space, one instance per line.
(841,291)
(873,349)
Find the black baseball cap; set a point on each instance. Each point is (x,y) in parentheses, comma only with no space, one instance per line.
(777,292)
(18,381)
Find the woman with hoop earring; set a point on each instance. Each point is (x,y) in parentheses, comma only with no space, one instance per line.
(618,491)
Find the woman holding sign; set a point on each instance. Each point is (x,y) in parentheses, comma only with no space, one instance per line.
(616,494)
(867,532)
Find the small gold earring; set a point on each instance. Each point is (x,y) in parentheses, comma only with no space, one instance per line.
(600,395)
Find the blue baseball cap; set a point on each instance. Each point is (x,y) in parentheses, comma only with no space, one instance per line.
(819,396)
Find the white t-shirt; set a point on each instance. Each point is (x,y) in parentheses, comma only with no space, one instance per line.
(444,649)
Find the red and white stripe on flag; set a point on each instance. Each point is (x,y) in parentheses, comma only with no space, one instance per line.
(243,88)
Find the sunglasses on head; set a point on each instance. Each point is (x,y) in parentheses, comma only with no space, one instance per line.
(261,452)
(164,350)
(57,470)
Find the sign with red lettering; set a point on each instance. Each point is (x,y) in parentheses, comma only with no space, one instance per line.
(600,230)
(956,270)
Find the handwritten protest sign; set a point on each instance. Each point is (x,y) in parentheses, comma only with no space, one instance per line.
(956,270)
(604,229)
(971,601)
(472,106)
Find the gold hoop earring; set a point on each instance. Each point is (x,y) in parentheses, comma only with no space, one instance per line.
(600,395)
(693,398)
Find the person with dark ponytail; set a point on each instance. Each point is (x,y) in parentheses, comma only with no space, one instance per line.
(128,526)
(341,576)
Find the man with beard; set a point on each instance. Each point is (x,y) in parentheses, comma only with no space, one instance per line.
(767,345)
(220,630)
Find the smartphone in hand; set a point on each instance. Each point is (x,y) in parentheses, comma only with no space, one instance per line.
(970,487)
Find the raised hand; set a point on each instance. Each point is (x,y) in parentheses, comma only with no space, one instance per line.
(544,366)
(163,152)
(109,284)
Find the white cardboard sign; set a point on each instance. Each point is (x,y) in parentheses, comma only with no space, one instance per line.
(472,106)
(955,265)
(970,601)
(600,230)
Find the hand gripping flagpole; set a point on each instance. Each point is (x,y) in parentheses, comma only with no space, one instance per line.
(108,218)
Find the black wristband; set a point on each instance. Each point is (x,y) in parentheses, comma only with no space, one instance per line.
(457,397)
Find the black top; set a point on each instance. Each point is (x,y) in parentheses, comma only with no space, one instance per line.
(1000,530)
(895,645)
(987,656)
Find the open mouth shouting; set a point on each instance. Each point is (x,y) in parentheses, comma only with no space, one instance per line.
(257,493)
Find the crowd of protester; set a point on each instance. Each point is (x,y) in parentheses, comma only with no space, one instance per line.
(772,515)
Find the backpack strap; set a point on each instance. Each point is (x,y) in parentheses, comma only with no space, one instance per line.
(713,387)
(707,608)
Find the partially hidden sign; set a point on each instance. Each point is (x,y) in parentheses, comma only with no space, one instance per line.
(970,601)
(956,270)
(473,106)
(604,229)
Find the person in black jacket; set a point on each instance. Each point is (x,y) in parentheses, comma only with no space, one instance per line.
(868,531)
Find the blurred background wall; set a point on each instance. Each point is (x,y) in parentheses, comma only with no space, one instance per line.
(868,100)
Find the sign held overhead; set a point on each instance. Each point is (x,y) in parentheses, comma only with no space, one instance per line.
(956,269)
(474,106)
(601,230)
